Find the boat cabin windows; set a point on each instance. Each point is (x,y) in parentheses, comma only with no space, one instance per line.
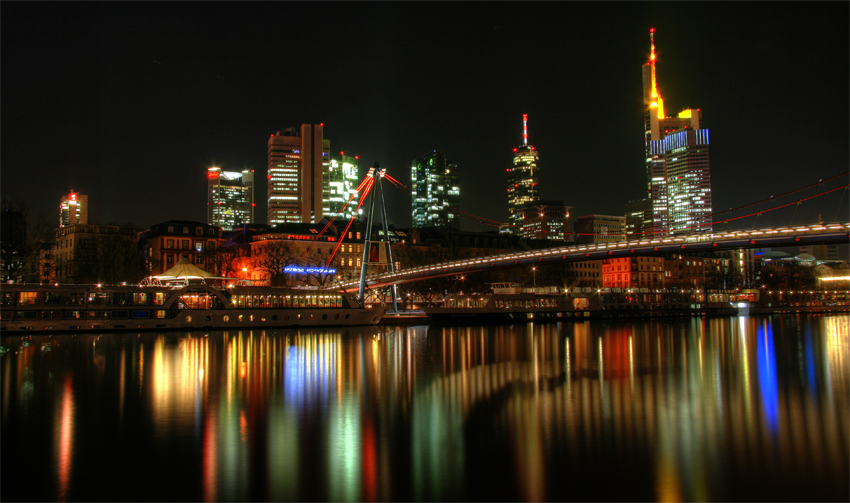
(76,299)
(99,299)
(27,298)
(199,300)
(468,303)
(242,301)
(52,298)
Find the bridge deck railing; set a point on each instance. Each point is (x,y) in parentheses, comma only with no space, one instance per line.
(713,237)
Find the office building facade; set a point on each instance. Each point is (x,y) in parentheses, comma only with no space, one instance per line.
(600,229)
(688,180)
(546,220)
(435,191)
(230,197)
(639,219)
(298,175)
(74,209)
(343,179)
(523,178)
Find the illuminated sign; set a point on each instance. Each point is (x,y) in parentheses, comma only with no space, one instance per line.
(294,269)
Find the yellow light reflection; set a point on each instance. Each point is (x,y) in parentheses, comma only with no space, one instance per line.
(64,448)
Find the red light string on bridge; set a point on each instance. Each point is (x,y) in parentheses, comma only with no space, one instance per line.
(782,206)
(774,198)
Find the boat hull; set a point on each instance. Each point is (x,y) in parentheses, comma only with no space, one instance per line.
(78,308)
(467,316)
(219,319)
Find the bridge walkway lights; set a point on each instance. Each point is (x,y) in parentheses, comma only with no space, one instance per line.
(780,236)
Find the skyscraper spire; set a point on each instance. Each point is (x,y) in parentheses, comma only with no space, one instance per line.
(653,98)
(525,129)
(652,61)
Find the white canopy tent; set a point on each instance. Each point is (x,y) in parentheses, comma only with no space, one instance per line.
(184,269)
(182,273)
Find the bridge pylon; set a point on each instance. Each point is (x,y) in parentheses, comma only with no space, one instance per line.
(372,249)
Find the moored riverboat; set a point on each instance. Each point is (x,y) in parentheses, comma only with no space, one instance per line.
(511,303)
(72,308)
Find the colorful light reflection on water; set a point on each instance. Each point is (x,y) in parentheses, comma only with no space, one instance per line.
(694,409)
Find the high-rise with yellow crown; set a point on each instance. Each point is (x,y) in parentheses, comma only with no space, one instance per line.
(677,168)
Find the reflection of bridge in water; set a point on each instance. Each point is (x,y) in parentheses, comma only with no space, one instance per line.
(831,233)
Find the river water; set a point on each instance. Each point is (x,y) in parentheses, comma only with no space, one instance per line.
(742,408)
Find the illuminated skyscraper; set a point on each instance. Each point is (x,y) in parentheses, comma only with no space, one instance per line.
(230,197)
(298,169)
(656,128)
(523,176)
(343,179)
(435,191)
(688,181)
(74,209)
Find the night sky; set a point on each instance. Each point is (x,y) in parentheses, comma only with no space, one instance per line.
(129,103)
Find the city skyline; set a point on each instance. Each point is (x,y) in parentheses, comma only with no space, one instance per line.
(191,84)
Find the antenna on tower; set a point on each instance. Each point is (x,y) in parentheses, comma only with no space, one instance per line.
(525,129)
(652,60)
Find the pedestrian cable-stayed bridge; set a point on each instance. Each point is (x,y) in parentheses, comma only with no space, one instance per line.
(827,233)
(837,232)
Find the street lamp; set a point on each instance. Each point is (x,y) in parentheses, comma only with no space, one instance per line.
(534,275)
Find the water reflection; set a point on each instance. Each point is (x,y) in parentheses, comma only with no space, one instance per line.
(695,409)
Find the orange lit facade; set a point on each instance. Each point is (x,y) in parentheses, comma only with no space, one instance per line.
(633,272)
